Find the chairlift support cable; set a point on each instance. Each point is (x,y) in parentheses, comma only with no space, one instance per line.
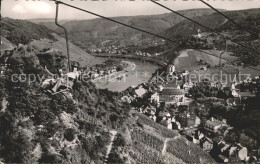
(66,33)
(231,20)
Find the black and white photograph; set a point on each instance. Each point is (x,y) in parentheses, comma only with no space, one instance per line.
(130,81)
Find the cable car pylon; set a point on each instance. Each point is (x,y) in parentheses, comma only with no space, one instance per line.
(65,30)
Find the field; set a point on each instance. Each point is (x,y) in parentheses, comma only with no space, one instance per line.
(189,59)
(253,71)
(6,45)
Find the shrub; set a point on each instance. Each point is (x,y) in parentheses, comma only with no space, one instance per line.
(69,134)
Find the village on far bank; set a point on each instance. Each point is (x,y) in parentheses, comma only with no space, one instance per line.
(208,113)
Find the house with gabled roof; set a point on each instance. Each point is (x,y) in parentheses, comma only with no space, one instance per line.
(206,144)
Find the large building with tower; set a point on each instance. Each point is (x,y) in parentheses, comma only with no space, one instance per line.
(170,69)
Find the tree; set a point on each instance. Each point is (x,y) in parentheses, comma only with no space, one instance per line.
(69,134)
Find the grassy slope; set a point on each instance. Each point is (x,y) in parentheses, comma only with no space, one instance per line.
(189,59)
(76,53)
(40,37)
(6,45)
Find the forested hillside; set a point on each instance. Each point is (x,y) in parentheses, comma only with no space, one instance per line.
(71,127)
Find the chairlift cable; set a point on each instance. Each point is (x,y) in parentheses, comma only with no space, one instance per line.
(210,29)
(128,26)
(135,28)
(231,20)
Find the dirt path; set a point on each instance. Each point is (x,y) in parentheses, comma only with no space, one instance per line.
(165,146)
(166,141)
(109,147)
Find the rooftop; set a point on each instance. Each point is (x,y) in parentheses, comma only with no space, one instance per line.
(214,123)
(173,84)
(173,91)
(234,100)
(140,92)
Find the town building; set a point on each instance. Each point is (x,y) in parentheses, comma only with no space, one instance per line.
(206,144)
(171,94)
(170,69)
(176,125)
(193,121)
(188,120)
(187,86)
(213,125)
(223,159)
(160,86)
(155,97)
(140,92)
(222,146)
(127,98)
(237,150)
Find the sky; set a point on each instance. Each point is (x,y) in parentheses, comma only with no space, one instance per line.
(29,9)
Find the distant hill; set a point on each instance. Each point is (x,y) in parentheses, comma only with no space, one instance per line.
(48,22)
(85,32)
(247,18)
(39,20)
(22,31)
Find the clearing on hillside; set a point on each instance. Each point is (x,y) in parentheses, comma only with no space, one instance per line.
(190,59)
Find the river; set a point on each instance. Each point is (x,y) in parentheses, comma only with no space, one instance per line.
(138,72)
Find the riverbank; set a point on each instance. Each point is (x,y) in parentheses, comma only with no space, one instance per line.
(159,62)
(109,78)
(137,72)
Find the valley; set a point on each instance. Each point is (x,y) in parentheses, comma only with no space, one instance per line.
(130,97)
